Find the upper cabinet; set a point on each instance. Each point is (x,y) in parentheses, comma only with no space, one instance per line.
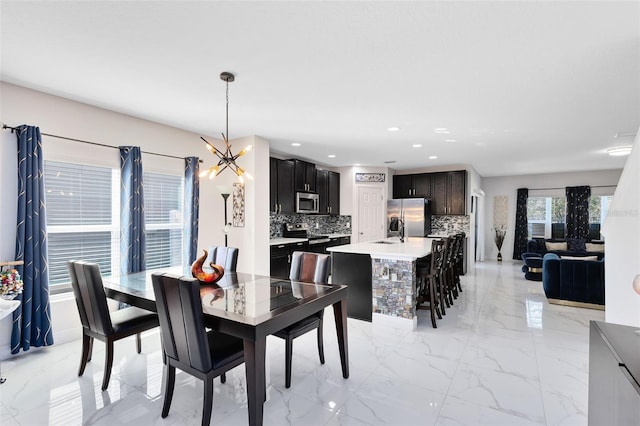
(281,188)
(412,186)
(290,176)
(328,188)
(305,176)
(446,190)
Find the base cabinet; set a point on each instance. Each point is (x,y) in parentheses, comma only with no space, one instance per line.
(614,372)
(280,261)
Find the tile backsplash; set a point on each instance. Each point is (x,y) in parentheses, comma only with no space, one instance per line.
(447,225)
(325,224)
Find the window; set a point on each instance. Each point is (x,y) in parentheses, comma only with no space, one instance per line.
(82,218)
(546,217)
(163,219)
(598,210)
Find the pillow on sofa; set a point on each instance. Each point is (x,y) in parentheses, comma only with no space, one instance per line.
(556,246)
(579,257)
(596,248)
(576,244)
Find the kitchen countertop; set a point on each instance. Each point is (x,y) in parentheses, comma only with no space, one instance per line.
(413,248)
(282,240)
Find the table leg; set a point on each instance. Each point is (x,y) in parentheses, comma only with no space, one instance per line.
(254,361)
(340,314)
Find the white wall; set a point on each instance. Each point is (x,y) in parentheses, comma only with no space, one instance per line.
(59,116)
(508,185)
(622,235)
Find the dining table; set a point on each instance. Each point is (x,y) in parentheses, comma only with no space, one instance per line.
(250,307)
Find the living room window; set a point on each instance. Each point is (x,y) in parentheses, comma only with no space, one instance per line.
(546,217)
(598,210)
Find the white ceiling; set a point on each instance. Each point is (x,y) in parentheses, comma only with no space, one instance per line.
(522,86)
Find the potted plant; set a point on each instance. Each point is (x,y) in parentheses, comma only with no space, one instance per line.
(500,233)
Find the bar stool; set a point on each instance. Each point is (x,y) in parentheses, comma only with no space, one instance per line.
(430,289)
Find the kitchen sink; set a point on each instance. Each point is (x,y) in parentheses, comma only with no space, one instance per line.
(386,242)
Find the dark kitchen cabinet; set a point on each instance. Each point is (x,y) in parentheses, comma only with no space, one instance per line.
(328,188)
(614,374)
(412,186)
(305,176)
(448,193)
(281,188)
(280,261)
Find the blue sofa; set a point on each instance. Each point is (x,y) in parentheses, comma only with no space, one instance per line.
(573,282)
(574,247)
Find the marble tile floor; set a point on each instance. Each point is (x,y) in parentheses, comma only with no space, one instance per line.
(501,356)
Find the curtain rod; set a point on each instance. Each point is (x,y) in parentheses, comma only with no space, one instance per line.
(4,126)
(590,186)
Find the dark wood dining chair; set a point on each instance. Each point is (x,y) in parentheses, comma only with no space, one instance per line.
(227,257)
(98,322)
(309,268)
(186,343)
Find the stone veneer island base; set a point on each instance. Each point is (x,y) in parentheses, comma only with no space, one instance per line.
(381,279)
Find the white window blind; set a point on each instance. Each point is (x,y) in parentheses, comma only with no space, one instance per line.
(81,218)
(163,219)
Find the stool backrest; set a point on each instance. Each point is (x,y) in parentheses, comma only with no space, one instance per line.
(437,256)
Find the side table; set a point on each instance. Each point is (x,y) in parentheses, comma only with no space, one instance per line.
(6,307)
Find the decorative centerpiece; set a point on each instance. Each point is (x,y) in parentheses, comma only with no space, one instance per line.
(499,239)
(203,276)
(11,284)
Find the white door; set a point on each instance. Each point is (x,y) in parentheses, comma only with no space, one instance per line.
(370,214)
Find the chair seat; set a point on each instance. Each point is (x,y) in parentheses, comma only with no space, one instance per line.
(133,318)
(301,327)
(224,348)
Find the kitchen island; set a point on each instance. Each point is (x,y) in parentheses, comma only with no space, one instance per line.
(381,279)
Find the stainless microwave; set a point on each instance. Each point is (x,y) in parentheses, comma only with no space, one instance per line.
(307,202)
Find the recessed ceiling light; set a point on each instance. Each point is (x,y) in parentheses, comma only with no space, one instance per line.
(417,145)
(441,130)
(393,129)
(331,156)
(450,140)
(295,144)
(433,157)
(618,151)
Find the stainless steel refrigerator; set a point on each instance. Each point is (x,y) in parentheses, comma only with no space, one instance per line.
(415,213)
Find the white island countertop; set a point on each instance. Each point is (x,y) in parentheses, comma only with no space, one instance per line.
(412,248)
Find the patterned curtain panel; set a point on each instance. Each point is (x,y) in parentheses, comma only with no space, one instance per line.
(578,211)
(132,232)
(520,237)
(191,209)
(32,319)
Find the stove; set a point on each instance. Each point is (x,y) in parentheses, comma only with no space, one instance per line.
(317,243)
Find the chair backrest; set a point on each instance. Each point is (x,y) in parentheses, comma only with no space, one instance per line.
(181,320)
(310,267)
(449,251)
(91,299)
(227,257)
(437,257)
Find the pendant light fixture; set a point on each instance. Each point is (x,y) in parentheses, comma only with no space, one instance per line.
(226,159)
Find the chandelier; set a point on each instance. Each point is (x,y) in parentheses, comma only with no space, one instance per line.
(226,159)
